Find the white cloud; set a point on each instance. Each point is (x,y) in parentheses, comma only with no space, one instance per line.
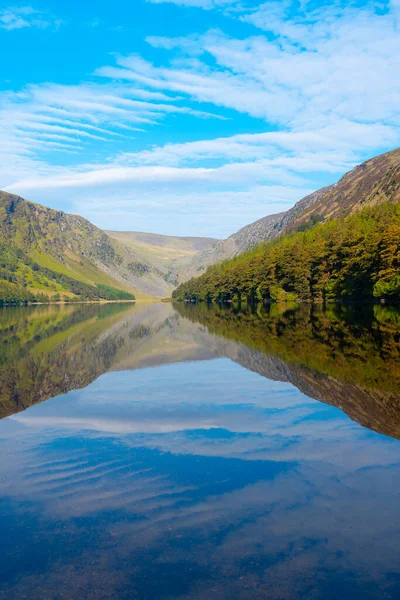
(320,82)
(111,176)
(15,17)
(64,119)
(169,200)
(341,65)
(331,147)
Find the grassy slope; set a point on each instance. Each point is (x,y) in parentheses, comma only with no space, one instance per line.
(168,254)
(63,243)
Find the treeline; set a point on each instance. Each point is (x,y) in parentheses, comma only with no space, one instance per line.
(11,293)
(14,288)
(84,291)
(356,258)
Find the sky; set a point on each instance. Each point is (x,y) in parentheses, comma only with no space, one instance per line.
(192,117)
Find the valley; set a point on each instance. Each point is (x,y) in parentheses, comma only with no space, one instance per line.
(48,255)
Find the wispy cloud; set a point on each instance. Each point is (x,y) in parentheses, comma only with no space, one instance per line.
(328,148)
(15,17)
(53,117)
(337,66)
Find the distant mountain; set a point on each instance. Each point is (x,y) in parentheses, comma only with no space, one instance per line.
(375,181)
(168,254)
(45,252)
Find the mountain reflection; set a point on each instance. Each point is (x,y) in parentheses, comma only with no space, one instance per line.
(342,356)
(199,478)
(348,357)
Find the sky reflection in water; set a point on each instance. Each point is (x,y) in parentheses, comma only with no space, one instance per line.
(197,479)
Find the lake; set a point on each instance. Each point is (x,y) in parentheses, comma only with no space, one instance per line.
(192,452)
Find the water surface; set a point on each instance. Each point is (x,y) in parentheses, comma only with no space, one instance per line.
(190,452)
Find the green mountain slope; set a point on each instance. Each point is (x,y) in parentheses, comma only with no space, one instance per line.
(46,253)
(353,258)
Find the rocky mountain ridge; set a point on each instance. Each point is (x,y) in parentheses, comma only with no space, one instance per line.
(375,181)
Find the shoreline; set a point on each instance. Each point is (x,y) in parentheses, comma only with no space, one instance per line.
(143,300)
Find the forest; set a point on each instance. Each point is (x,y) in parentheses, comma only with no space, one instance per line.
(346,259)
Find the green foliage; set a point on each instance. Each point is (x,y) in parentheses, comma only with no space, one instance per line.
(47,252)
(109,293)
(14,294)
(356,258)
(17,269)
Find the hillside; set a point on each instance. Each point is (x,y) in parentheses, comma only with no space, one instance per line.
(238,242)
(374,182)
(353,258)
(47,253)
(168,254)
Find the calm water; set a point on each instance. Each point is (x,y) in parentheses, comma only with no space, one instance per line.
(156,452)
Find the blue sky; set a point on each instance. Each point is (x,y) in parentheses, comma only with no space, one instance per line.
(192,117)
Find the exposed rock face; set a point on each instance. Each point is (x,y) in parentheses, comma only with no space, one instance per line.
(375,181)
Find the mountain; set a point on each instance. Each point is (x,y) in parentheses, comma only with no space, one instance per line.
(339,356)
(48,253)
(375,181)
(353,258)
(238,242)
(168,254)
(44,252)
